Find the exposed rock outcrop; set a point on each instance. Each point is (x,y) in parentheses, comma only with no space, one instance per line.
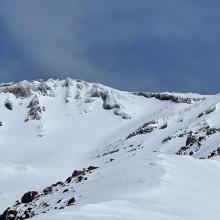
(35,110)
(145,129)
(169,97)
(34,203)
(209,111)
(25,89)
(109,101)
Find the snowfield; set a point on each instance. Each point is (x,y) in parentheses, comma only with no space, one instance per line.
(136,155)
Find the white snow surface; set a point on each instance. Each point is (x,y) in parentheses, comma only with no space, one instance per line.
(140,176)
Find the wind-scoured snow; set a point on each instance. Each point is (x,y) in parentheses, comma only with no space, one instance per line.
(157,154)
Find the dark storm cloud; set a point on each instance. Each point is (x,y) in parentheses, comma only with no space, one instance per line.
(144,44)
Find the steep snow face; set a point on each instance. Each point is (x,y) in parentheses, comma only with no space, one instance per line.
(136,141)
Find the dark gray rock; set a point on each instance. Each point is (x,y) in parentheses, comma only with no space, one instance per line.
(8,104)
(209,111)
(164,126)
(69,179)
(90,168)
(48,190)
(191,140)
(29,196)
(71,201)
(78,173)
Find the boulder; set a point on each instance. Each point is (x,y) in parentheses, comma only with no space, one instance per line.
(8,105)
(48,190)
(69,179)
(78,173)
(191,140)
(166,140)
(65,190)
(90,168)
(29,197)
(71,201)
(164,126)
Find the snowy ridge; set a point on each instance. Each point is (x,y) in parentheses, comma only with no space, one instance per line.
(71,89)
(133,146)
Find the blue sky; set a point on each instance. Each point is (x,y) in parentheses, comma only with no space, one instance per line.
(152,45)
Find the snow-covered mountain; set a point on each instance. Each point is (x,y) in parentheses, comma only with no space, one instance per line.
(70,149)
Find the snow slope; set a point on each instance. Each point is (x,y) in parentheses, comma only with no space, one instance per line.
(137,141)
(184,194)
